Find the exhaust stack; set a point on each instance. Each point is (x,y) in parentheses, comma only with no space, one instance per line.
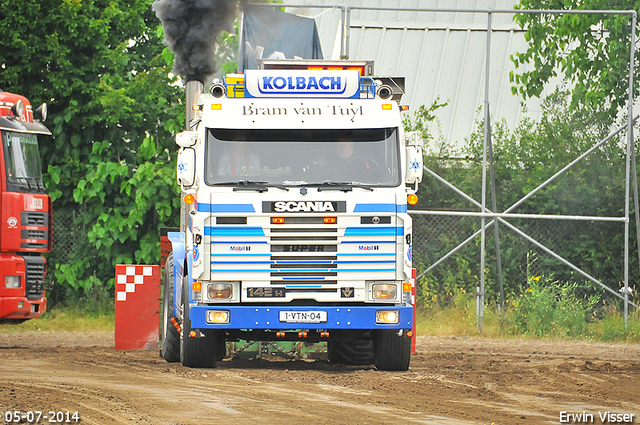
(193,90)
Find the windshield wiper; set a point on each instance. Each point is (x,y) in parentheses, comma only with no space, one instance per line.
(259,186)
(343,186)
(28,180)
(40,181)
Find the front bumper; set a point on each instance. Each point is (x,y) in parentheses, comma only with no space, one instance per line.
(268,317)
(22,308)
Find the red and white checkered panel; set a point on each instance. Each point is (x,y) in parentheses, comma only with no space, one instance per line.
(133,276)
(137,307)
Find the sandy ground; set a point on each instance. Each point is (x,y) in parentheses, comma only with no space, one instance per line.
(450,381)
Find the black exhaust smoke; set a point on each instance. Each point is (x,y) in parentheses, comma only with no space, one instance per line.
(191,28)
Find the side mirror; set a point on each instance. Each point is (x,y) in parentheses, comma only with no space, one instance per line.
(186,167)
(414,164)
(186,139)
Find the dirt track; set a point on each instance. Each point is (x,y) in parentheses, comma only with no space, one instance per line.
(451,381)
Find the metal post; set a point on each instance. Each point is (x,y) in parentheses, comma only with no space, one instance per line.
(636,201)
(487,135)
(494,201)
(630,148)
(347,34)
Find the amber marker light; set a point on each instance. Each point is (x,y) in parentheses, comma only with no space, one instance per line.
(329,220)
(412,199)
(387,106)
(189,199)
(216,106)
(277,220)
(404,108)
(387,316)
(217,316)
(197,107)
(197,286)
(406,286)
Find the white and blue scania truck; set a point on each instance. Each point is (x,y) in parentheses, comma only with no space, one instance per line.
(295,179)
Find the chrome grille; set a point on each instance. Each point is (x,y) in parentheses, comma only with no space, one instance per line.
(304,256)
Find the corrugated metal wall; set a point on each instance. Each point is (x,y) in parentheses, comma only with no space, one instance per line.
(440,54)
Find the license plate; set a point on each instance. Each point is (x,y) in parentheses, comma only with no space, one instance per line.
(303,316)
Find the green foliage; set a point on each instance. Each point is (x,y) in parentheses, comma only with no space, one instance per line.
(441,287)
(550,308)
(591,51)
(227,52)
(422,118)
(610,325)
(575,321)
(114,107)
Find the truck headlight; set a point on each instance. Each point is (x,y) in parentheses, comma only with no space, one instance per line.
(384,291)
(389,317)
(220,290)
(12,282)
(217,316)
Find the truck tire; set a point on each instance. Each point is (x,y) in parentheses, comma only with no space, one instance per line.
(220,345)
(196,351)
(350,352)
(170,349)
(392,351)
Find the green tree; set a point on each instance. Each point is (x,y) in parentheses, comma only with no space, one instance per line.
(114,109)
(591,51)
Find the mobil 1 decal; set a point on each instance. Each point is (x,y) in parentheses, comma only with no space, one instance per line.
(304,206)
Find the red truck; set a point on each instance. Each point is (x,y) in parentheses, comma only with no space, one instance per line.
(25,211)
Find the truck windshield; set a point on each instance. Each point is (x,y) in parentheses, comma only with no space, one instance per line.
(303,157)
(22,162)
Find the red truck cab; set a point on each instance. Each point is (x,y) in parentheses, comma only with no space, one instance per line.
(25,211)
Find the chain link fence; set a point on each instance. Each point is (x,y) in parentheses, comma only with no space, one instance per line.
(595,247)
(71,225)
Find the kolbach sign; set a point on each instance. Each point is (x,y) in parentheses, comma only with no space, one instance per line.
(291,83)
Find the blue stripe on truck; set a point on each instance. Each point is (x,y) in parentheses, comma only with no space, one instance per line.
(233,231)
(375,208)
(226,208)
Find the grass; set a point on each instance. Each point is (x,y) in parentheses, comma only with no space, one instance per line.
(71,319)
(547,309)
(559,321)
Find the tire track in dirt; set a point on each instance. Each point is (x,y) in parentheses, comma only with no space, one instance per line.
(452,381)
(67,401)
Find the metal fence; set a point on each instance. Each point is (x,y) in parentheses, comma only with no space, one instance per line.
(488,217)
(71,225)
(436,236)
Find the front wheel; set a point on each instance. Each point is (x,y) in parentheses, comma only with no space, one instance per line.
(170,350)
(392,351)
(350,352)
(201,350)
